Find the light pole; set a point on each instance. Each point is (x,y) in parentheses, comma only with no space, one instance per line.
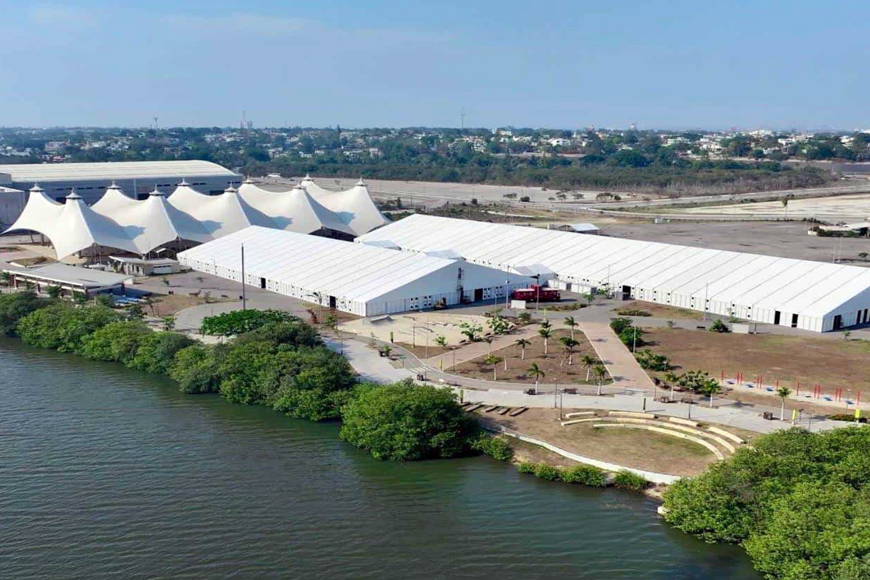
(244,298)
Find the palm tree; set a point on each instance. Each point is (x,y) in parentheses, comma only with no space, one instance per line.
(782,393)
(600,373)
(545,333)
(536,372)
(712,388)
(588,363)
(493,360)
(572,324)
(569,344)
(523,343)
(671,377)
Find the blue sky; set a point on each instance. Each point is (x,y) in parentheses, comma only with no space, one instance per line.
(553,63)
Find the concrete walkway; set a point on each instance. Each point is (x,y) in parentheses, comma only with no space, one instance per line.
(620,362)
(365,360)
(724,412)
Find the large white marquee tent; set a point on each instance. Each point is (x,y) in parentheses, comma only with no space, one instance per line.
(815,296)
(187,216)
(355,278)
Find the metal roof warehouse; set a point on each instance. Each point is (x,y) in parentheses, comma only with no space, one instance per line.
(804,294)
(90,180)
(355,278)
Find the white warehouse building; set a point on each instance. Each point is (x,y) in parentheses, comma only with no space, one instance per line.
(815,296)
(356,278)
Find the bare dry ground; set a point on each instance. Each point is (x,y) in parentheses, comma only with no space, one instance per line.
(173,303)
(663,310)
(555,364)
(825,361)
(627,447)
(422,352)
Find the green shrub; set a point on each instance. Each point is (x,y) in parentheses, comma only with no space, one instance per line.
(620,324)
(736,498)
(586,475)
(527,467)
(241,321)
(63,326)
(632,336)
(496,447)
(633,312)
(117,341)
(197,368)
(14,307)
(548,472)
(402,421)
(629,480)
(651,361)
(847,417)
(719,326)
(156,352)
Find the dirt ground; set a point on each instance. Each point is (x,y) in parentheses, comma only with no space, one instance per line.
(791,359)
(421,351)
(784,239)
(663,310)
(631,448)
(554,365)
(173,303)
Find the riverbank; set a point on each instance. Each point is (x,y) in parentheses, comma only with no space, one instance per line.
(108,472)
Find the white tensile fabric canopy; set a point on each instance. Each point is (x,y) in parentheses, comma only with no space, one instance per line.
(140,226)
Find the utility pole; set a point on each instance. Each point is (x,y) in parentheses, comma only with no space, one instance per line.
(244,298)
(706,289)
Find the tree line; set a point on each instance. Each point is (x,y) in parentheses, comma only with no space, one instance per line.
(275,359)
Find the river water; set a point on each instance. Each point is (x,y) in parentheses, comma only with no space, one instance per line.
(111,473)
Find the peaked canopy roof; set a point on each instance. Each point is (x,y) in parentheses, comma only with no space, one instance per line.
(354,207)
(71,226)
(140,226)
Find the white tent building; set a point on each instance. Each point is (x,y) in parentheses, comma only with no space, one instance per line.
(72,227)
(189,217)
(355,278)
(815,296)
(294,211)
(353,207)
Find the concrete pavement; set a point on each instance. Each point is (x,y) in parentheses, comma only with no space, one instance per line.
(618,359)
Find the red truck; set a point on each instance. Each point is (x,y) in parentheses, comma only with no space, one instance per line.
(536,293)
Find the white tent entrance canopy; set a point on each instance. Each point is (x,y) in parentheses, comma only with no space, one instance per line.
(803,294)
(355,278)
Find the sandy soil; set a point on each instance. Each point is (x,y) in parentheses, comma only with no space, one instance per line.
(791,359)
(662,310)
(785,239)
(171,304)
(554,365)
(631,448)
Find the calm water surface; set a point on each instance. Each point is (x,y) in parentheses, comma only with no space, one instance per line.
(110,473)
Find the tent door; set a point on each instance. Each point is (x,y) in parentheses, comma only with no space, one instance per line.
(776,316)
(263,283)
(478,294)
(332,302)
